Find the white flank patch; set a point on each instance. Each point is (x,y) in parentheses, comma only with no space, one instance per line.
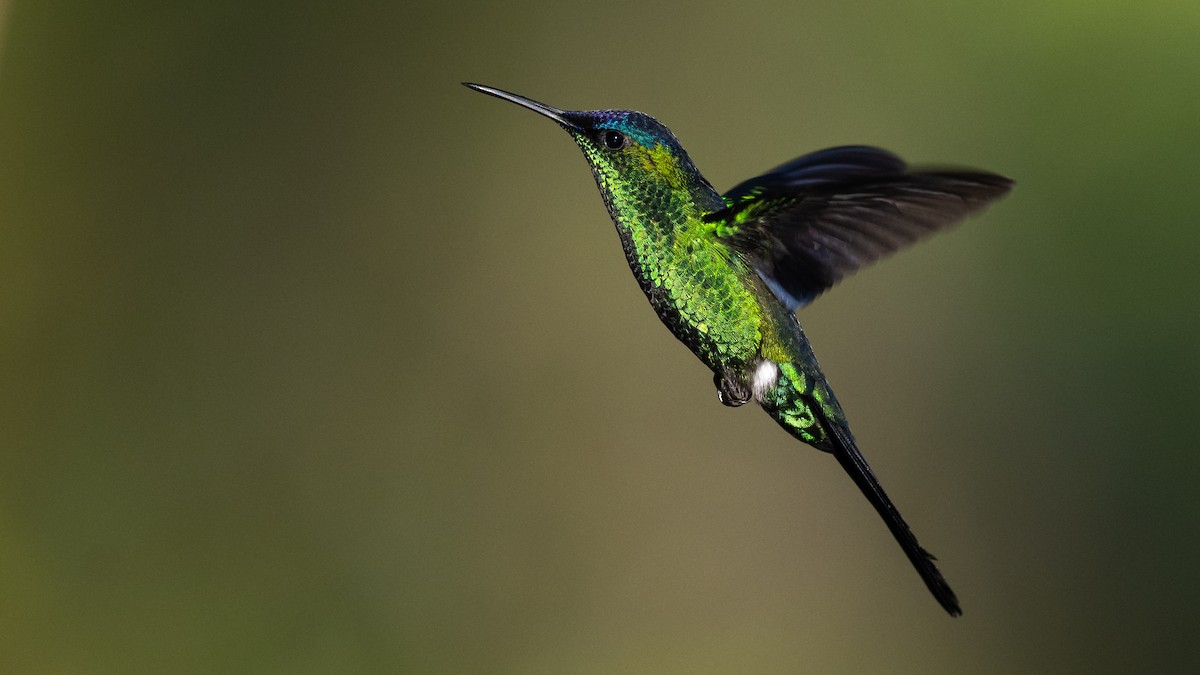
(765,377)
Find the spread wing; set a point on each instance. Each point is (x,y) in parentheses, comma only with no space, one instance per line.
(808,223)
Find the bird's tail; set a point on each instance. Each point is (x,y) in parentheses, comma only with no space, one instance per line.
(804,406)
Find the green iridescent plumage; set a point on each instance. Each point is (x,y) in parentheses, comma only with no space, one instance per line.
(726,273)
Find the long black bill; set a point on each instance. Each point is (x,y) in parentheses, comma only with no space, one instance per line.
(540,108)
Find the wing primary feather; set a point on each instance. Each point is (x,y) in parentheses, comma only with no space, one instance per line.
(807,224)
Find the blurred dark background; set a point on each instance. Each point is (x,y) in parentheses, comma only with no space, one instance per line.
(313,361)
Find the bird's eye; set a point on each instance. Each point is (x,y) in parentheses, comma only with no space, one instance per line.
(614,140)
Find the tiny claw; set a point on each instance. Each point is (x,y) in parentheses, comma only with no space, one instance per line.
(730,391)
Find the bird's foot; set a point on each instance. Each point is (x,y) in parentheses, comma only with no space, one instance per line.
(731,390)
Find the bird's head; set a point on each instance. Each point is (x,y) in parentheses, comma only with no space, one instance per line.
(636,159)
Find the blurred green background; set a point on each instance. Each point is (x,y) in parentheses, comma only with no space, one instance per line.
(313,361)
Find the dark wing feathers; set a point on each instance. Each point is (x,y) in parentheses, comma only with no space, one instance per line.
(822,167)
(809,223)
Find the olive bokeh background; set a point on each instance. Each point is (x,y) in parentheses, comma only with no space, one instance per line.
(313,361)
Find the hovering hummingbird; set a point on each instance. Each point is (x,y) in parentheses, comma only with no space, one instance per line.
(726,273)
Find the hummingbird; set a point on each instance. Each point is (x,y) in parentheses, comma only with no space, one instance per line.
(726,273)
